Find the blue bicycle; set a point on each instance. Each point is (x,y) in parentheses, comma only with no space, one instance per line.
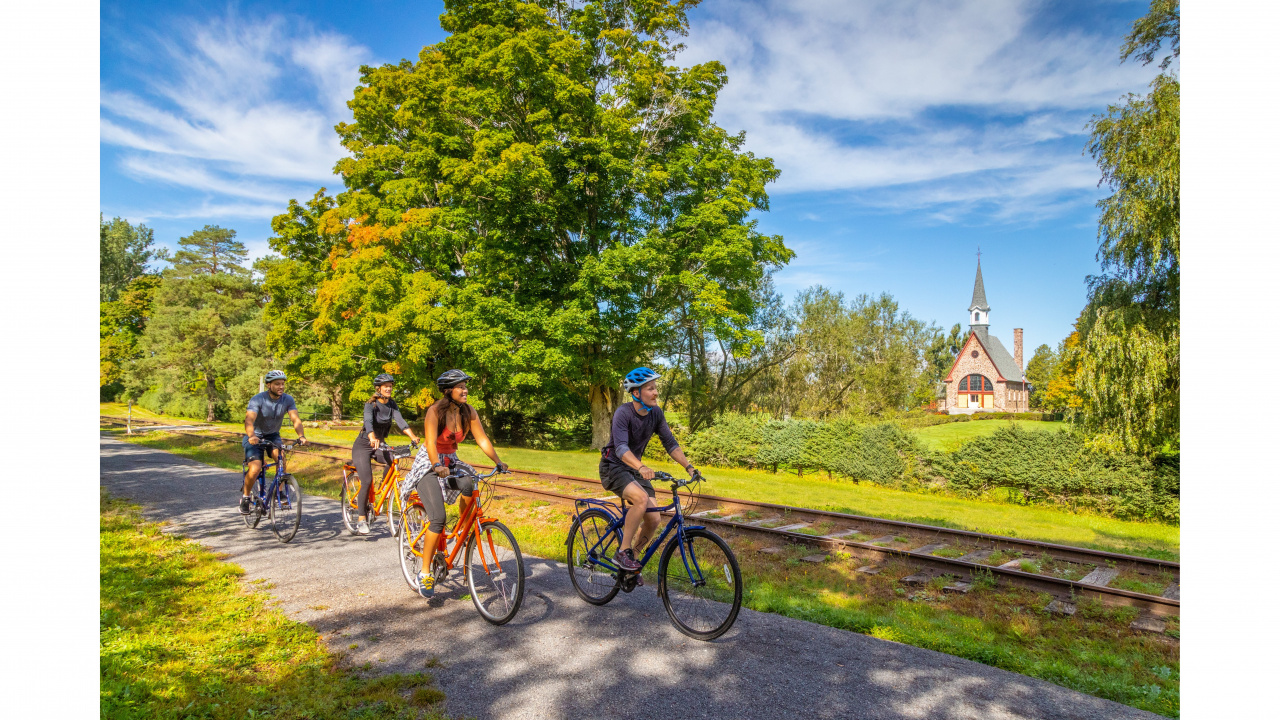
(281,501)
(701,590)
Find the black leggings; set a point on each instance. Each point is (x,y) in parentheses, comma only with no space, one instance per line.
(433,497)
(362,456)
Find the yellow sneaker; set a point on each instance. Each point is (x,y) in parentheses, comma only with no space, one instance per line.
(426,584)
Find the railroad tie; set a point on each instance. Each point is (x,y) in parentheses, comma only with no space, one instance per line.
(885,539)
(815,558)
(1060,607)
(1101,576)
(976,557)
(1147,622)
(928,549)
(842,533)
(792,527)
(1173,592)
(1012,565)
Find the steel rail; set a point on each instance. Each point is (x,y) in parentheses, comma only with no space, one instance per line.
(964,570)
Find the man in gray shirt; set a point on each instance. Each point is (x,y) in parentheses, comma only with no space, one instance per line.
(621,468)
(262,423)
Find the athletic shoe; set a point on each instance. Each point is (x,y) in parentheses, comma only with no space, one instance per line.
(627,560)
(244,505)
(426,584)
(362,527)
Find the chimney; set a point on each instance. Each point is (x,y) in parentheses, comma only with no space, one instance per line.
(1017,347)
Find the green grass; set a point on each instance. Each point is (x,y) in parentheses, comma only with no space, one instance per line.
(816,491)
(950,436)
(180,638)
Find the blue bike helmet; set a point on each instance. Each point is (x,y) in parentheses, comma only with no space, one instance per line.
(638,377)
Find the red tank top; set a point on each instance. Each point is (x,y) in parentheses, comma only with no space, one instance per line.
(447,443)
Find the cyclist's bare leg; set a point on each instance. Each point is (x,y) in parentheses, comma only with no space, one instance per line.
(636,519)
(255,467)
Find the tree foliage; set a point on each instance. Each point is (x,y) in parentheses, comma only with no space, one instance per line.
(204,337)
(1040,370)
(1128,351)
(124,251)
(542,199)
(121,324)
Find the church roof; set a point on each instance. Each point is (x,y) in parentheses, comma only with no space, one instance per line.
(979,293)
(1008,369)
(995,350)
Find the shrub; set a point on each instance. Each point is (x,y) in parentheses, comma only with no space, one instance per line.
(1058,468)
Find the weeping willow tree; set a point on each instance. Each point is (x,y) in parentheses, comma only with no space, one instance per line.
(1128,376)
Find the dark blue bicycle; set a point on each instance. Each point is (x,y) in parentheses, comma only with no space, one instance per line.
(281,501)
(698,575)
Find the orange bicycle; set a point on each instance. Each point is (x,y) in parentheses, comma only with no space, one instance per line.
(493,565)
(382,493)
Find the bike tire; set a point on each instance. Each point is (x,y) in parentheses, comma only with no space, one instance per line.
(255,508)
(285,509)
(414,519)
(594,584)
(496,595)
(344,500)
(700,611)
(395,508)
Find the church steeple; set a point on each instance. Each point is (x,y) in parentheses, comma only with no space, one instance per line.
(979,308)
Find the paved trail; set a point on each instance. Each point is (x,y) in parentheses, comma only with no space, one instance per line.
(563,658)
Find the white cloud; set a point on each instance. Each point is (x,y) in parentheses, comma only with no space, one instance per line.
(936,104)
(237,109)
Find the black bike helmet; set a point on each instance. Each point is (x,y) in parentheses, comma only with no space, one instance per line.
(451,379)
(382,379)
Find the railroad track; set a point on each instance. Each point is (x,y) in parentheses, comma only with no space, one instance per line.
(1067,573)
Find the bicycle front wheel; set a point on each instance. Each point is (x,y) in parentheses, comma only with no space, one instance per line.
(700,584)
(589,541)
(350,487)
(285,509)
(495,572)
(413,520)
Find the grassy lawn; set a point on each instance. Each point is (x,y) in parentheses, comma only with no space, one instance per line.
(181,638)
(950,436)
(814,491)
(1094,651)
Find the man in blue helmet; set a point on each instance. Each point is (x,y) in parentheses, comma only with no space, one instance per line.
(623,472)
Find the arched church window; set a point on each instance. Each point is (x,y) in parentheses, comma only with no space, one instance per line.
(975,383)
(975,317)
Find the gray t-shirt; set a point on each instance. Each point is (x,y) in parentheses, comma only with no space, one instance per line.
(270,412)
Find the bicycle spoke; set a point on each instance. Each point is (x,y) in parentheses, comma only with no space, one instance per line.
(591,543)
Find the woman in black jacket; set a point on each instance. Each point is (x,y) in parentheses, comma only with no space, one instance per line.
(379,413)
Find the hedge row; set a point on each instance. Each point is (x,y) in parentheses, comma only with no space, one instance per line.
(1036,467)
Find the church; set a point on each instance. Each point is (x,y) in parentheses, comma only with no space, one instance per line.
(984,377)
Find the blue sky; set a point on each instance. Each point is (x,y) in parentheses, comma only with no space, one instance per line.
(908,133)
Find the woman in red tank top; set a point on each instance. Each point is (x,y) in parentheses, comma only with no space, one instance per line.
(447,423)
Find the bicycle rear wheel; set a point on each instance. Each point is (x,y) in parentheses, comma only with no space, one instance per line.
(495,572)
(350,486)
(590,540)
(701,587)
(413,520)
(285,509)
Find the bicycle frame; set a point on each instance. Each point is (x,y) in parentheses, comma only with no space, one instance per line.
(473,520)
(615,527)
(263,491)
(379,490)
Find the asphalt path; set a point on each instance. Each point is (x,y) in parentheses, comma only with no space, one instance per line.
(560,657)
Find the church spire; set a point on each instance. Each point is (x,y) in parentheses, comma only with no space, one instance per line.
(979,308)
(979,292)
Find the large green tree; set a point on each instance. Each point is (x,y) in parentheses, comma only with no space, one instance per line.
(1128,378)
(205,334)
(1040,370)
(543,199)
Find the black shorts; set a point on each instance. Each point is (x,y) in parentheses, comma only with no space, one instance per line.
(616,477)
(257,452)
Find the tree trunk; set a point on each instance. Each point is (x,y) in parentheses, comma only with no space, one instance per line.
(210,395)
(335,402)
(604,400)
